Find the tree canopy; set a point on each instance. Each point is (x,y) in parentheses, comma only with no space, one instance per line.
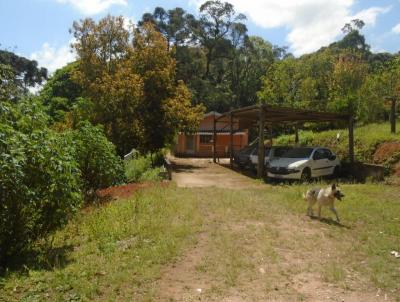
(26,72)
(129,76)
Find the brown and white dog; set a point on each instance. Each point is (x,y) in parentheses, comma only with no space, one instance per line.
(323,198)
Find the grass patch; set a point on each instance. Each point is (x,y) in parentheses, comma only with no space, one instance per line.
(371,217)
(144,168)
(117,250)
(267,230)
(257,241)
(333,273)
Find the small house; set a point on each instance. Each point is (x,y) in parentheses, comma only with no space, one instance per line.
(201,143)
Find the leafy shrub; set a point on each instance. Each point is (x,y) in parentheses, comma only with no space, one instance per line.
(136,167)
(144,168)
(25,116)
(97,159)
(39,187)
(153,174)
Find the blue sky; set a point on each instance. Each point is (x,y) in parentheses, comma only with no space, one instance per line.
(38,29)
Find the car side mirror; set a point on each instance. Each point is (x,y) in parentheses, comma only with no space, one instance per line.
(332,157)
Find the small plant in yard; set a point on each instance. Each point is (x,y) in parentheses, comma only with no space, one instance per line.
(144,168)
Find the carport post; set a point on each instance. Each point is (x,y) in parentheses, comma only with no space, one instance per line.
(231,139)
(296,134)
(393,116)
(261,148)
(215,140)
(271,136)
(351,139)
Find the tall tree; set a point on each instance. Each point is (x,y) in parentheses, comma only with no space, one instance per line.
(348,75)
(8,86)
(172,24)
(104,51)
(130,78)
(61,92)
(27,73)
(251,61)
(216,22)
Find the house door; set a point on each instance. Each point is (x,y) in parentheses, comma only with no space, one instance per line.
(190,139)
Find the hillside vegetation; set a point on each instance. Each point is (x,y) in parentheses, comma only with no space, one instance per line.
(367,140)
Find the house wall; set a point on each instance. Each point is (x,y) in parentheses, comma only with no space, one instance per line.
(240,139)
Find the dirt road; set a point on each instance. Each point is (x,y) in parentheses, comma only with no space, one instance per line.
(202,172)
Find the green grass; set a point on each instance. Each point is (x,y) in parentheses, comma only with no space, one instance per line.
(116,251)
(144,168)
(367,138)
(372,214)
(112,252)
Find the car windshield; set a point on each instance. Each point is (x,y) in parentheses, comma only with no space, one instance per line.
(298,153)
(278,152)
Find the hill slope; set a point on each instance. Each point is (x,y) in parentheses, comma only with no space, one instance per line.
(373,143)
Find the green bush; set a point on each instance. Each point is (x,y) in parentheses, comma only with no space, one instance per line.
(153,174)
(97,159)
(134,168)
(144,168)
(39,187)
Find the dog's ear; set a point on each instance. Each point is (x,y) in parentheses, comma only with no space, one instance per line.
(333,187)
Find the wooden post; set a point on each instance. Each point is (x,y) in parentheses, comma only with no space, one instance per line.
(261,147)
(351,139)
(270,136)
(215,141)
(231,139)
(393,116)
(296,134)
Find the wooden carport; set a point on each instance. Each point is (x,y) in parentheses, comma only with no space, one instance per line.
(267,115)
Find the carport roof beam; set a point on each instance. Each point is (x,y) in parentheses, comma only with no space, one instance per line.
(274,114)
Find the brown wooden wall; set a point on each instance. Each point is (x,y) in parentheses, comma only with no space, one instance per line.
(240,140)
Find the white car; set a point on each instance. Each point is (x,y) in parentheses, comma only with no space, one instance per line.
(304,163)
(270,153)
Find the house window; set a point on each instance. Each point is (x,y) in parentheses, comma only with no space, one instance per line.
(206,139)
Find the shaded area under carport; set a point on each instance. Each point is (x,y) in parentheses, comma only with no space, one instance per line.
(265,116)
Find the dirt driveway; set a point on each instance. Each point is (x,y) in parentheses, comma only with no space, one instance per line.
(202,172)
(252,247)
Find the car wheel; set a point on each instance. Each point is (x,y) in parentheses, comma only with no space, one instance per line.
(306,175)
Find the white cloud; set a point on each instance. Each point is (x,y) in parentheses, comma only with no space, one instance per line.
(129,22)
(93,7)
(53,58)
(369,15)
(396,29)
(311,23)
